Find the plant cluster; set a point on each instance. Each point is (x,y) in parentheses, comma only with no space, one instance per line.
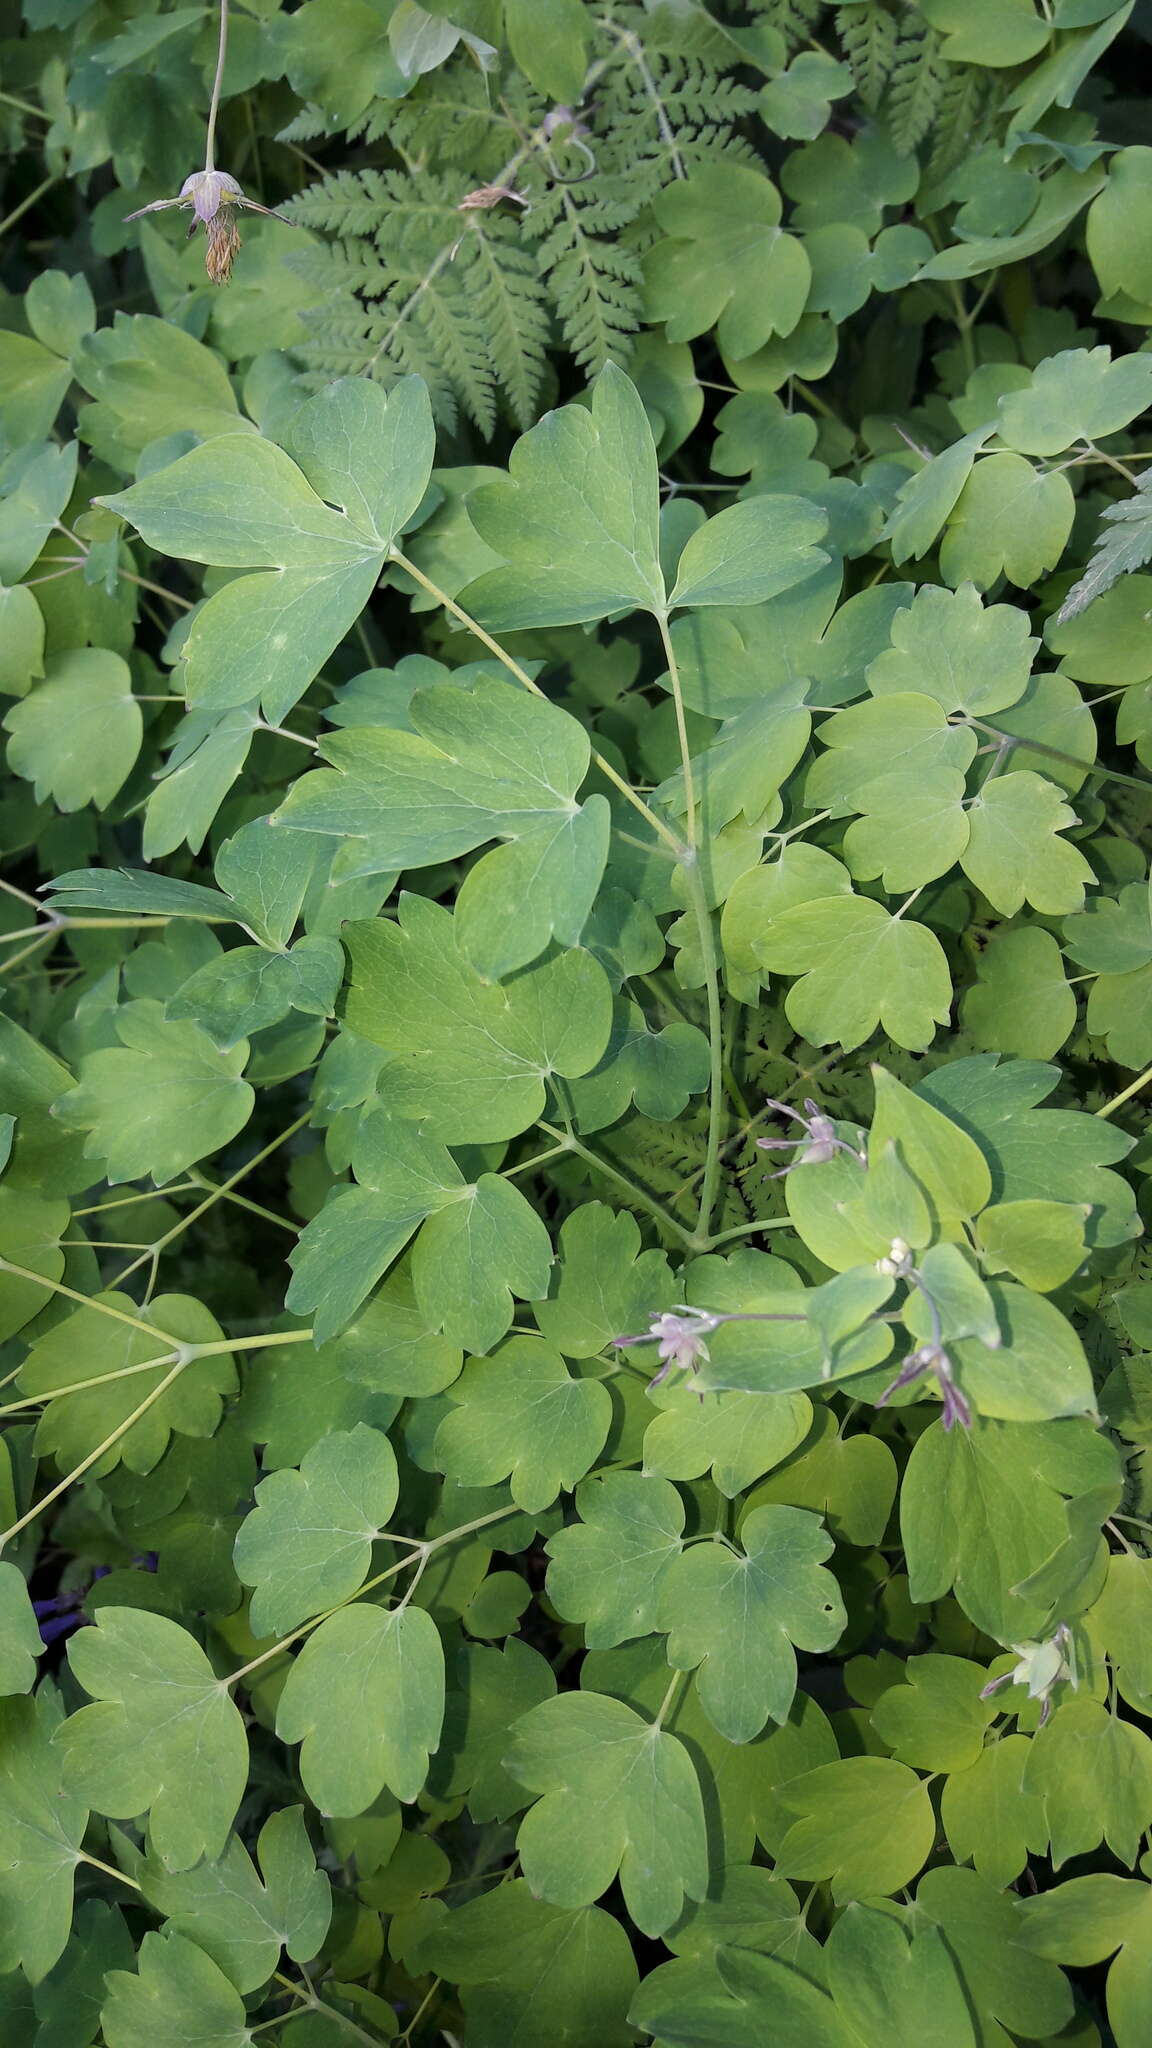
(576,954)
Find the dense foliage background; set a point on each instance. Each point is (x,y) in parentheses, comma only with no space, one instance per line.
(612,629)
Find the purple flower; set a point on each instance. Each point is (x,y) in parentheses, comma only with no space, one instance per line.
(679,1335)
(932,1358)
(819,1143)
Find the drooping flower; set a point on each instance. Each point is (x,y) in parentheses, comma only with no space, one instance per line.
(211,197)
(1041,1667)
(932,1358)
(819,1143)
(679,1335)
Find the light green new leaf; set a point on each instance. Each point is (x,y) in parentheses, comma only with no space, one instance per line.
(1093,1773)
(860,967)
(1121,1619)
(937,1720)
(727,263)
(989,1818)
(474,1057)
(948,1164)
(737,1617)
(307,1543)
(948,645)
(163,1735)
(179,1996)
(77,735)
(1013,853)
(520,1414)
(850,1480)
(751,552)
(41,1828)
(165,1097)
(1041,1243)
(866,1824)
(1078,395)
(577,520)
(1010,519)
(241,1922)
(1021,1003)
(474,1256)
(619,1795)
(90,1344)
(604,1286)
(898,733)
(737,1435)
(20,1644)
(608,1568)
(366,1698)
(1038,1372)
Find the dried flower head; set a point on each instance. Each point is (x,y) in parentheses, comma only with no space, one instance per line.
(487,196)
(212,198)
(820,1140)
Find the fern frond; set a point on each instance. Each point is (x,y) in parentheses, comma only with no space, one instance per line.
(869,37)
(503,283)
(1123,544)
(962,118)
(307,125)
(916,85)
(792,19)
(595,286)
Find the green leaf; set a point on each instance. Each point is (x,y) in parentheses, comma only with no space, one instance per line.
(1078,395)
(31,501)
(21,641)
(994,32)
(307,1544)
(241,1922)
(549,40)
(1010,519)
(609,1568)
(520,1413)
(728,2001)
(138,892)
(751,552)
(20,1644)
(490,1690)
(866,1824)
(163,1736)
(1013,854)
(179,1996)
(365,1696)
(727,263)
(473,1057)
(736,1616)
(1021,1003)
(483,764)
(368,451)
(250,989)
(983,1509)
(850,1480)
(77,735)
(472,1257)
(984,1930)
(603,1285)
(1119,256)
(859,967)
(577,519)
(1120,1011)
(164,1097)
(1093,1773)
(990,1819)
(738,1436)
(1120,1618)
(42,1825)
(948,1165)
(937,1720)
(1041,1243)
(619,1795)
(553,1975)
(948,645)
(890,1988)
(91,1344)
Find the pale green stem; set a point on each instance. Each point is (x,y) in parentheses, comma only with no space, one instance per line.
(638,1194)
(214,103)
(1126,1094)
(201,1208)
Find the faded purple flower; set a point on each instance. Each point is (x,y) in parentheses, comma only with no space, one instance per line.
(819,1143)
(211,197)
(679,1335)
(932,1358)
